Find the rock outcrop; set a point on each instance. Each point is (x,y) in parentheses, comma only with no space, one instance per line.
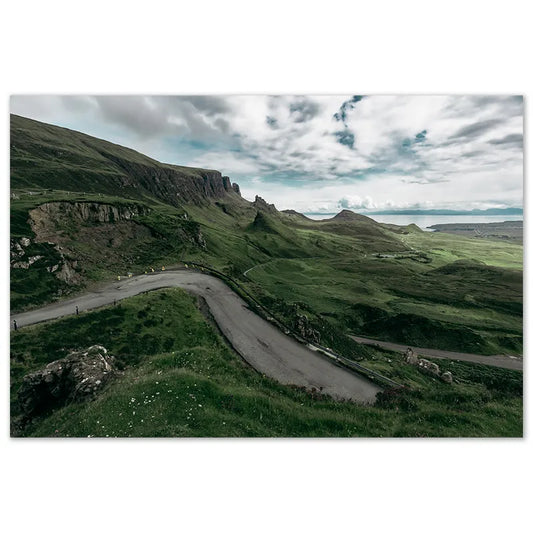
(411,357)
(236,188)
(261,205)
(72,161)
(77,377)
(427,367)
(65,269)
(302,326)
(91,212)
(173,184)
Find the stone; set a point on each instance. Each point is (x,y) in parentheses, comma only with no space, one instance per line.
(77,377)
(447,377)
(428,367)
(411,357)
(304,329)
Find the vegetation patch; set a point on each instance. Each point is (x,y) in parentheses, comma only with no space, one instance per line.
(179,379)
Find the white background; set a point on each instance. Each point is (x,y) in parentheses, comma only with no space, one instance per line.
(261,47)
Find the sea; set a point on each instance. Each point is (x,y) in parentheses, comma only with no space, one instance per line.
(424,221)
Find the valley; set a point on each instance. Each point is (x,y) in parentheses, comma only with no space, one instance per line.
(85,211)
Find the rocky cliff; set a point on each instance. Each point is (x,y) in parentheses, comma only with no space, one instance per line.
(41,216)
(262,205)
(175,185)
(50,157)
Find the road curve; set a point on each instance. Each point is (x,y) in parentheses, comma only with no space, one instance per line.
(502,361)
(261,344)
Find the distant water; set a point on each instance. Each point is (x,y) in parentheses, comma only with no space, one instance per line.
(424,221)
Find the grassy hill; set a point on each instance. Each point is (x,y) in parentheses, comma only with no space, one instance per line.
(180,379)
(84,211)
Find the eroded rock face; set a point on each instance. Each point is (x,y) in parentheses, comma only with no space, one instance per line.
(260,204)
(19,254)
(77,377)
(41,216)
(236,188)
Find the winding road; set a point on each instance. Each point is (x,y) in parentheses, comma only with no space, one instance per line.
(502,361)
(260,343)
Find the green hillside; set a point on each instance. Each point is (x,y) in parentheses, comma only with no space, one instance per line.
(180,379)
(84,211)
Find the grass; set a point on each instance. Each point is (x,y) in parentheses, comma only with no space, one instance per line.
(406,302)
(447,291)
(347,275)
(179,378)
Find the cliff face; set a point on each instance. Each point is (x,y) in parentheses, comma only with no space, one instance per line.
(51,157)
(173,184)
(261,205)
(84,212)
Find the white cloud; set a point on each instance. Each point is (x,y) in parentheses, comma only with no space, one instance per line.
(398,149)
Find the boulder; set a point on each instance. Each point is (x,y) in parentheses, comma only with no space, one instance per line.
(428,367)
(303,327)
(411,357)
(77,377)
(447,377)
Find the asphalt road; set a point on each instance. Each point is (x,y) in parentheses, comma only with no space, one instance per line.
(261,344)
(503,361)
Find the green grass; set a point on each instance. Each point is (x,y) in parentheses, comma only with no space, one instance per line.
(405,301)
(180,379)
(439,290)
(436,290)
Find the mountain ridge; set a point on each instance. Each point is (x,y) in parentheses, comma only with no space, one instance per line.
(76,161)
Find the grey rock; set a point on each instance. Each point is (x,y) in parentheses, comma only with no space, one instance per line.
(411,357)
(304,329)
(428,367)
(77,377)
(447,377)
(260,204)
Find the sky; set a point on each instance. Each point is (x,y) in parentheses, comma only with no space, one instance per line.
(320,153)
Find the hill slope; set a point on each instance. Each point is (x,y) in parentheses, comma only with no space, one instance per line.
(84,210)
(50,157)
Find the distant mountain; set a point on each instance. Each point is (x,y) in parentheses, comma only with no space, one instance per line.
(475,212)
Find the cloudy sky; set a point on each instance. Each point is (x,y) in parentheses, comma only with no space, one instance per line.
(320,153)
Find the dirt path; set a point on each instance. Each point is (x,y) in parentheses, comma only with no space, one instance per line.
(503,361)
(261,344)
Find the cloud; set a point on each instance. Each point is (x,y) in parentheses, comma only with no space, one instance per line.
(356,202)
(514,139)
(343,146)
(345,137)
(477,129)
(303,110)
(342,113)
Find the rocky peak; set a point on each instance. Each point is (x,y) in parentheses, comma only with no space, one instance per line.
(261,205)
(236,188)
